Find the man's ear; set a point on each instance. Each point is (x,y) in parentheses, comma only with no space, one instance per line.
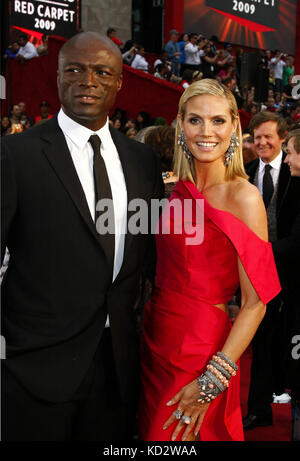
(120,82)
(57,78)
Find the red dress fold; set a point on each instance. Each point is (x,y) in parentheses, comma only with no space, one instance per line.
(197,248)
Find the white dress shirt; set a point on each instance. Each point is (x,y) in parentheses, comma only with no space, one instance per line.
(278,68)
(28,51)
(82,154)
(193,54)
(139,62)
(274,172)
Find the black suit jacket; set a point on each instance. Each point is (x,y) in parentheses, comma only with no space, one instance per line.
(57,290)
(287,246)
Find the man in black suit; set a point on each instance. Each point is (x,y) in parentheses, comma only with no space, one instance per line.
(293,357)
(71,371)
(281,194)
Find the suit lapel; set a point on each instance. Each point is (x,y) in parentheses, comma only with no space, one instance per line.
(251,170)
(58,155)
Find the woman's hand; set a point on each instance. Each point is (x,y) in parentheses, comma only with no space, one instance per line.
(187,403)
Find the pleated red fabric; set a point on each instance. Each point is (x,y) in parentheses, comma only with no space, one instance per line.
(182,327)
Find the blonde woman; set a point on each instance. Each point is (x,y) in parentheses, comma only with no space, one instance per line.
(190,353)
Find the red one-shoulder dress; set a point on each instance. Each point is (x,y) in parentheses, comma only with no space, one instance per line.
(182,326)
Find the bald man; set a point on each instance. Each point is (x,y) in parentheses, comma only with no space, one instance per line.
(68,296)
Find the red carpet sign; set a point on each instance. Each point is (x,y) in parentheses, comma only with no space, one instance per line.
(51,17)
(264,24)
(260,16)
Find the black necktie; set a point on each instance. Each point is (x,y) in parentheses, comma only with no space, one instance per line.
(102,191)
(268,187)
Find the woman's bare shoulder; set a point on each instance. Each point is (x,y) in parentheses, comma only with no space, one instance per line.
(246,203)
(242,192)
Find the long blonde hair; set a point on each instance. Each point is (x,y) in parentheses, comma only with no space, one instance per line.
(184,168)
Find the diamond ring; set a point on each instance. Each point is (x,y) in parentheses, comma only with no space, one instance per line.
(178,414)
(186,419)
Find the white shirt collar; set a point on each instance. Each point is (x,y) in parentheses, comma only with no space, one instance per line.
(79,134)
(276,163)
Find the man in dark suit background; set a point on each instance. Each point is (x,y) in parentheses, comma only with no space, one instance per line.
(71,371)
(281,195)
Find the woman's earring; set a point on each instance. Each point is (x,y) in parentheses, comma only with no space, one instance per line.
(234,143)
(182,142)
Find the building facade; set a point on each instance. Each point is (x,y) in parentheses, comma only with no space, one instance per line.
(99,15)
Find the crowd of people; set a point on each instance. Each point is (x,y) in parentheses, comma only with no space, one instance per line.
(220,138)
(186,58)
(17,120)
(23,49)
(189,57)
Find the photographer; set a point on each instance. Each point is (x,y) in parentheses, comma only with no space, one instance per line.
(128,52)
(139,62)
(277,65)
(194,52)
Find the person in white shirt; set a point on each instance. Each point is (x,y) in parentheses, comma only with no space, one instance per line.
(27,49)
(193,53)
(277,64)
(139,62)
(128,52)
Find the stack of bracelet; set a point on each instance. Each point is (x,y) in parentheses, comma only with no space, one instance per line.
(216,378)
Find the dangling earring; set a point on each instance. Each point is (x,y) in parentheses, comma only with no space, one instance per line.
(182,142)
(234,143)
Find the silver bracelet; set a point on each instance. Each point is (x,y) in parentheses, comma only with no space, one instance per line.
(221,369)
(215,380)
(228,360)
(208,390)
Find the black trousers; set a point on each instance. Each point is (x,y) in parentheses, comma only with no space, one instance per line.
(96,412)
(267,369)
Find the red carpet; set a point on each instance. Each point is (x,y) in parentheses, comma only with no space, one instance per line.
(281,428)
